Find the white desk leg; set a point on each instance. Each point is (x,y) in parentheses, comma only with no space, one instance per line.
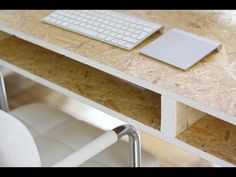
(176,117)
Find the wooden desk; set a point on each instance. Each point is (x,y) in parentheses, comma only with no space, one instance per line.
(167,100)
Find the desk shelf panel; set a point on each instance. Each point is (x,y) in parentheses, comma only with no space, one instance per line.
(139,104)
(213,136)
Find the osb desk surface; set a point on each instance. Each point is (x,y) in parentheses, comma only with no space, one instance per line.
(211,82)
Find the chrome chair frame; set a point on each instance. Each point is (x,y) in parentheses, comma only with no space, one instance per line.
(122,130)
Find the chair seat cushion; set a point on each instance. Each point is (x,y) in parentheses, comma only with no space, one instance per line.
(58,134)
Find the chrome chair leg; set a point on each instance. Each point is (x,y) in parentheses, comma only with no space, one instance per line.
(134,143)
(3,95)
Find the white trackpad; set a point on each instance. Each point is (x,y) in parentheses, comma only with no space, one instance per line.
(180,48)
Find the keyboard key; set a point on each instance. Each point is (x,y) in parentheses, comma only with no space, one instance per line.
(132,25)
(70,20)
(153,26)
(134,35)
(120,21)
(82,24)
(115,41)
(139,27)
(102,26)
(94,28)
(88,16)
(147,29)
(53,20)
(58,21)
(108,27)
(101,36)
(76,22)
(64,24)
(73,16)
(130,29)
(100,30)
(88,26)
(118,25)
(129,39)
(79,18)
(120,36)
(112,24)
(126,23)
(124,27)
(96,24)
(67,15)
(127,33)
(121,32)
(128,45)
(108,38)
(83,30)
(90,22)
(100,20)
(105,22)
(59,17)
(121,42)
(107,18)
(84,20)
(106,32)
(142,35)
(113,34)
(94,18)
(115,29)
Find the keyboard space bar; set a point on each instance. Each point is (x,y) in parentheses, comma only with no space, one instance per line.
(82,30)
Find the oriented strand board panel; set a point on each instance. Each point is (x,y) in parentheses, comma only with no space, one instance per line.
(139,104)
(211,82)
(213,136)
(3,35)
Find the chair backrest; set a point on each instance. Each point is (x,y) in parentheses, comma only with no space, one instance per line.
(17,147)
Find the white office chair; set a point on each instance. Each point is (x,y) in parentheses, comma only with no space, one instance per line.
(39,135)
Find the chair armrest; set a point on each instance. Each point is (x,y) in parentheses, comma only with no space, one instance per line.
(89,150)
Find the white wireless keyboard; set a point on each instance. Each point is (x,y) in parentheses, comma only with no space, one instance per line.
(104,25)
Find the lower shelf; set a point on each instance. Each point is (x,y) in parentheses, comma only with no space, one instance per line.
(139,104)
(213,136)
